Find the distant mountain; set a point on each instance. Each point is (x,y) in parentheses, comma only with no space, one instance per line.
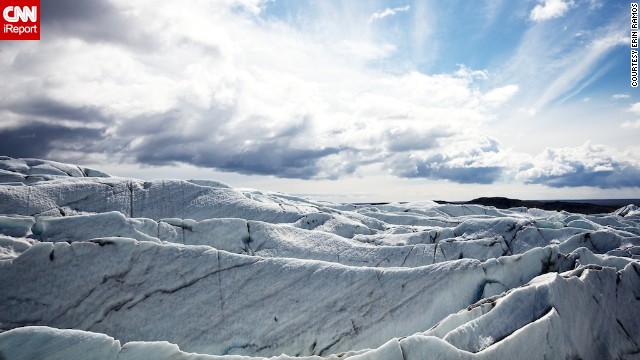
(557,205)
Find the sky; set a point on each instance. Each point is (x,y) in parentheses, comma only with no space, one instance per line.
(342,100)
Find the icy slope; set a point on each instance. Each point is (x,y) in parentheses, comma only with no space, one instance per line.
(198,270)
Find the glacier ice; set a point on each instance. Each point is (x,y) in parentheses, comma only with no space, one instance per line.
(117,268)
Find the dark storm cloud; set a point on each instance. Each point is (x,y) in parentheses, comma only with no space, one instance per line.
(462,175)
(43,107)
(265,155)
(272,159)
(59,11)
(438,170)
(163,139)
(91,20)
(39,140)
(268,159)
(464,166)
(412,139)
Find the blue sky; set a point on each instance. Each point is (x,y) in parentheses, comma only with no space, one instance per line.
(341,100)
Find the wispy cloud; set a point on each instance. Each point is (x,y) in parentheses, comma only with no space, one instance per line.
(595,4)
(620,96)
(490,10)
(424,43)
(562,70)
(580,65)
(388,12)
(549,9)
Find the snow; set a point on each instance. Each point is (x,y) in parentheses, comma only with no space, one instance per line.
(98,267)
(46,343)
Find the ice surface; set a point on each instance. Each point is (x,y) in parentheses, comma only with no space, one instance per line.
(98,267)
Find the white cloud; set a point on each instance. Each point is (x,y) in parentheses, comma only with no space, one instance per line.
(635,108)
(620,96)
(549,9)
(364,50)
(500,95)
(388,12)
(631,124)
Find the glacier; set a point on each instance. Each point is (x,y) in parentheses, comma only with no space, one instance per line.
(95,266)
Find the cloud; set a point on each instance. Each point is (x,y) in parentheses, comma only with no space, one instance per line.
(631,124)
(565,68)
(595,4)
(587,165)
(576,69)
(467,162)
(634,108)
(388,12)
(219,88)
(620,96)
(500,95)
(491,10)
(549,9)
(412,138)
(47,140)
(44,108)
(92,20)
(215,85)
(425,46)
(463,175)
(255,150)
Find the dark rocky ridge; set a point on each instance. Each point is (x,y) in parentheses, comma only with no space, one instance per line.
(570,206)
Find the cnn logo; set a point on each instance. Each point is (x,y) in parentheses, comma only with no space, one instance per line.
(20,20)
(26,13)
